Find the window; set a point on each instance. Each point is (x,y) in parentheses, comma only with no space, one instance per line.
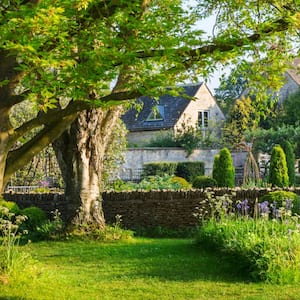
(203,118)
(157,113)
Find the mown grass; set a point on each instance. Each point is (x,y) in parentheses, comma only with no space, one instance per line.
(139,269)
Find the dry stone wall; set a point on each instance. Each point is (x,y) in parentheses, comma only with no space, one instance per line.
(156,208)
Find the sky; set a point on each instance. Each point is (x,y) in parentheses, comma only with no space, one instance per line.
(214,81)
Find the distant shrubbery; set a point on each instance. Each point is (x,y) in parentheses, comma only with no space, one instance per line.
(165,182)
(187,170)
(159,169)
(190,169)
(201,182)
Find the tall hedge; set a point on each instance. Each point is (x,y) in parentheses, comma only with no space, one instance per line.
(190,170)
(290,161)
(159,169)
(278,172)
(225,169)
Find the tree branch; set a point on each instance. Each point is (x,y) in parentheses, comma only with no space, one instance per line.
(50,117)
(20,157)
(230,44)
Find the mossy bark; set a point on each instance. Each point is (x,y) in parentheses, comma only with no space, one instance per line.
(81,152)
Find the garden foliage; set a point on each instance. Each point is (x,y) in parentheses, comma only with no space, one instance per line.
(159,169)
(287,200)
(278,171)
(35,217)
(187,170)
(201,182)
(190,169)
(265,245)
(165,182)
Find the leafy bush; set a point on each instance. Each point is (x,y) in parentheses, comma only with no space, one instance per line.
(181,182)
(11,206)
(278,172)
(35,217)
(159,169)
(290,161)
(190,169)
(163,183)
(283,199)
(224,169)
(163,140)
(201,182)
(189,138)
(51,229)
(149,183)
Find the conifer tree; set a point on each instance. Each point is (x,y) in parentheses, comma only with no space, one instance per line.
(225,169)
(290,161)
(278,172)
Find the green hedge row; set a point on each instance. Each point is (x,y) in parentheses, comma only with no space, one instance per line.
(186,170)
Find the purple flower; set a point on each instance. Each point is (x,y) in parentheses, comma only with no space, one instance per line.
(243,207)
(263,208)
(288,204)
(44,183)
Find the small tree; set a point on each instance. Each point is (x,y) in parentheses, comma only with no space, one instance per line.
(241,118)
(290,161)
(226,170)
(278,172)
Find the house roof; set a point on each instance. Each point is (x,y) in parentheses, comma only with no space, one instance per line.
(294,70)
(173,107)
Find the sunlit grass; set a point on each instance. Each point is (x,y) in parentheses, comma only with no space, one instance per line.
(139,269)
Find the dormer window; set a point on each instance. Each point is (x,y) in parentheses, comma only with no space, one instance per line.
(157,113)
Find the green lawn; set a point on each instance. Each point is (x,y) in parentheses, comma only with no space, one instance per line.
(140,269)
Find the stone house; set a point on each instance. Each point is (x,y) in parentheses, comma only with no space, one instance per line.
(292,83)
(195,106)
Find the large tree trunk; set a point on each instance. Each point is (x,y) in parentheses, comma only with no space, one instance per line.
(81,152)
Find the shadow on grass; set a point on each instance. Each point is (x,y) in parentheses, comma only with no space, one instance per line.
(12,298)
(165,259)
(188,262)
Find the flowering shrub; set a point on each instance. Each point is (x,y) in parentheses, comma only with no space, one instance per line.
(264,241)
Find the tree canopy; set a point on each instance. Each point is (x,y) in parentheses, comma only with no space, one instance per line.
(65,56)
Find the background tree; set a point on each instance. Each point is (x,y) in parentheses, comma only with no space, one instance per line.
(241,118)
(290,107)
(278,172)
(230,89)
